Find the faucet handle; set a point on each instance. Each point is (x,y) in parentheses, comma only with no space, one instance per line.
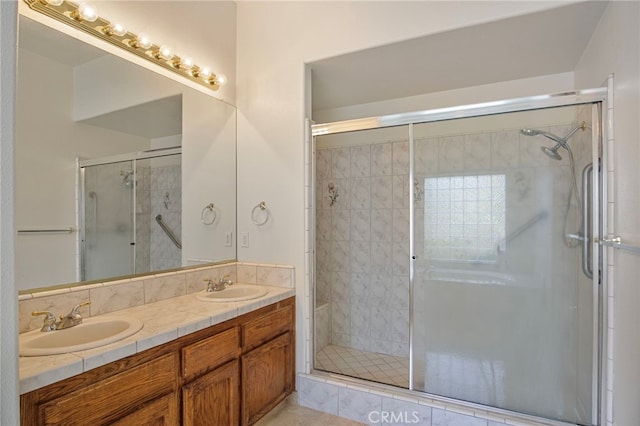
(49,320)
(210,284)
(226,279)
(74,310)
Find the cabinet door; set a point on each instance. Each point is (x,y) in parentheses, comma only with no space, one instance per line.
(159,412)
(267,377)
(213,398)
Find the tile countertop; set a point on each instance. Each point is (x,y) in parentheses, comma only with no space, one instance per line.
(164,321)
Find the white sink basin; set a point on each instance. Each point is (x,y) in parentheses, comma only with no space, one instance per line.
(92,333)
(235,293)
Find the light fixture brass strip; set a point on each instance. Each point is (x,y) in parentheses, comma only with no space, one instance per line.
(99,28)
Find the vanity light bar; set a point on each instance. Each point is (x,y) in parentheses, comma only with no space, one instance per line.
(85,18)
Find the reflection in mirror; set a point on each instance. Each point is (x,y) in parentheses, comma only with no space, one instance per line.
(111,159)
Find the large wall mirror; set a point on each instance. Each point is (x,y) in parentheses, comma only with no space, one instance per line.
(119,170)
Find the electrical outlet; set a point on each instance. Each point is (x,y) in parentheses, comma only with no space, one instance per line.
(245,239)
(228,239)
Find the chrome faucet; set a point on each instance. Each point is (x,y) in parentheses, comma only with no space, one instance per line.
(72,319)
(222,283)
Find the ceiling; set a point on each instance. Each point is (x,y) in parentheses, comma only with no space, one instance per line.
(542,43)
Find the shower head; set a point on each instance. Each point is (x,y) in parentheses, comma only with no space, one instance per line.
(552,152)
(534,132)
(560,142)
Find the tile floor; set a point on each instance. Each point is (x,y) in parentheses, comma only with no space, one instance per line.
(388,369)
(289,413)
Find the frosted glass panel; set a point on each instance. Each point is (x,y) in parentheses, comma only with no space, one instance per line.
(502,313)
(108,220)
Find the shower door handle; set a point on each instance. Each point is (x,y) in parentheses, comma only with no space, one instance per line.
(587,173)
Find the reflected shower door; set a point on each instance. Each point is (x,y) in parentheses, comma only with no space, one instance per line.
(503,314)
(108,237)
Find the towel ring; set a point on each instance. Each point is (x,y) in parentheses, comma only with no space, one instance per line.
(262,206)
(208,215)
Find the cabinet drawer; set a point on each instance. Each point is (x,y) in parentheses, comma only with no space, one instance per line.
(210,353)
(266,327)
(110,399)
(163,411)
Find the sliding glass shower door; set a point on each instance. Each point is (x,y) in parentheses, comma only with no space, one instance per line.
(108,210)
(482,218)
(504,306)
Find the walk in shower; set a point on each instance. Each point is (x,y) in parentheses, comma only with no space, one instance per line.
(130,213)
(455,256)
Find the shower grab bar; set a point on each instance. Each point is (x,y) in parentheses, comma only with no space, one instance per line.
(616,242)
(66,230)
(524,227)
(167,231)
(586,220)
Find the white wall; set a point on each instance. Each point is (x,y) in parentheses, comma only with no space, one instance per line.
(615,48)
(275,40)
(208,176)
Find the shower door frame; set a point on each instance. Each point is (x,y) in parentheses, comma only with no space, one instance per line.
(82,163)
(598,197)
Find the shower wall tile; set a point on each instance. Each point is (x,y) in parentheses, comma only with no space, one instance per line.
(340,285)
(477,152)
(401,225)
(382,225)
(360,193)
(344,194)
(451,154)
(361,225)
(341,163)
(401,258)
(323,164)
(356,405)
(401,192)
(361,256)
(318,395)
(381,159)
(448,418)
(361,161)
(505,147)
(381,192)
(426,156)
(341,225)
(381,258)
(323,225)
(341,255)
(400,161)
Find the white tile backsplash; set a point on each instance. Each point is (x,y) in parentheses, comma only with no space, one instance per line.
(112,296)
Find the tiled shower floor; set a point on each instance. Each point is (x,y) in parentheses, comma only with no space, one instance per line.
(388,369)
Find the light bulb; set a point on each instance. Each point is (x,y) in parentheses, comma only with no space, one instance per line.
(165,53)
(118,29)
(205,73)
(54,2)
(221,80)
(85,13)
(186,63)
(143,41)
(115,29)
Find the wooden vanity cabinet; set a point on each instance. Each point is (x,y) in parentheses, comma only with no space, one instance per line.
(228,374)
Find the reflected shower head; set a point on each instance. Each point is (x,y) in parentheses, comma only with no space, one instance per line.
(128,178)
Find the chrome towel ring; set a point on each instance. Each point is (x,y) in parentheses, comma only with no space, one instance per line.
(260,210)
(208,215)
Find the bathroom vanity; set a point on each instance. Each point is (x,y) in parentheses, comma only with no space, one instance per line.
(229,373)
